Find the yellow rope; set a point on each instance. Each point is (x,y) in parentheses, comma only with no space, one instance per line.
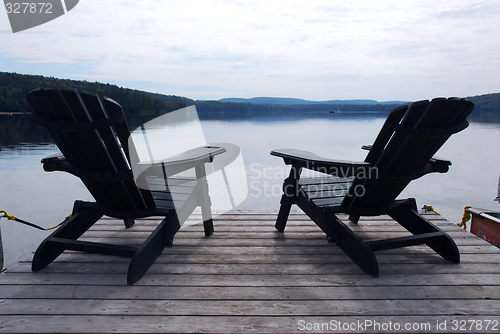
(465,218)
(430,208)
(51,228)
(12,217)
(9,217)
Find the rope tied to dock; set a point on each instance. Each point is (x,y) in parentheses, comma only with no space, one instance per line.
(465,218)
(4,214)
(428,208)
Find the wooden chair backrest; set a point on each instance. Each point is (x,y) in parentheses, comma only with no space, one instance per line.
(409,138)
(92,134)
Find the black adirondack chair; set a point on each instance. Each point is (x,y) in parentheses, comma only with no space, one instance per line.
(403,151)
(93,137)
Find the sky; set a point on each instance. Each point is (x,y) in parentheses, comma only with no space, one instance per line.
(314,49)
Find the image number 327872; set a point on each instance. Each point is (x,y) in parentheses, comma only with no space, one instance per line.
(25,15)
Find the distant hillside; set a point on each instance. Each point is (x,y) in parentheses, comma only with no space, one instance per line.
(292,101)
(15,87)
(248,109)
(487,102)
(487,108)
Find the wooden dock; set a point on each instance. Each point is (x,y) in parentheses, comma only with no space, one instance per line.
(247,277)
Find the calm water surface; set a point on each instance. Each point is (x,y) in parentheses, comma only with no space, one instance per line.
(47,198)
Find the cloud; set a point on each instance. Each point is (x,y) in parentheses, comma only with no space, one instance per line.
(315,49)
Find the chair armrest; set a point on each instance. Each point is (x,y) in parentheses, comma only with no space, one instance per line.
(309,160)
(180,162)
(54,158)
(434,159)
(193,157)
(58,162)
(439,161)
(366,147)
(434,165)
(173,165)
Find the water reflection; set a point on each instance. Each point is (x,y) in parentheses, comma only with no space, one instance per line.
(46,198)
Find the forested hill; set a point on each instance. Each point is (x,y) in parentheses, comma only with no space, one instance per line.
(293,101)
(486,104)
(14,88)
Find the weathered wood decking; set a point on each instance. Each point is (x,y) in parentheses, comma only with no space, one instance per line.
(247,277)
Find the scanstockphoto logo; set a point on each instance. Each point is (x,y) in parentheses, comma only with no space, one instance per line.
(164,159)
(25,15)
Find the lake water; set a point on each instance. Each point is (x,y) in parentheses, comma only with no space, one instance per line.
(29,193)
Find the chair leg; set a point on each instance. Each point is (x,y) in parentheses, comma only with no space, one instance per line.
(354,218)
(285,207)
(72,229)
(149,251)
(359,252)
(290,188)
(129,223)
(172,226)
(208,226)
(447,248)
(204,200)
(407,216)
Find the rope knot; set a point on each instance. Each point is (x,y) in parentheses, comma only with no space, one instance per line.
(8,216)
(465,218)
(427,208)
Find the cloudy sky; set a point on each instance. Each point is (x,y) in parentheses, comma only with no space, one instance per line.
(313,49)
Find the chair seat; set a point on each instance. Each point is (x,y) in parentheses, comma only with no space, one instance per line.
(326,191)
(171,192)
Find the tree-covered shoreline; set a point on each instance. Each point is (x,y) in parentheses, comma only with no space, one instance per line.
(14,88)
